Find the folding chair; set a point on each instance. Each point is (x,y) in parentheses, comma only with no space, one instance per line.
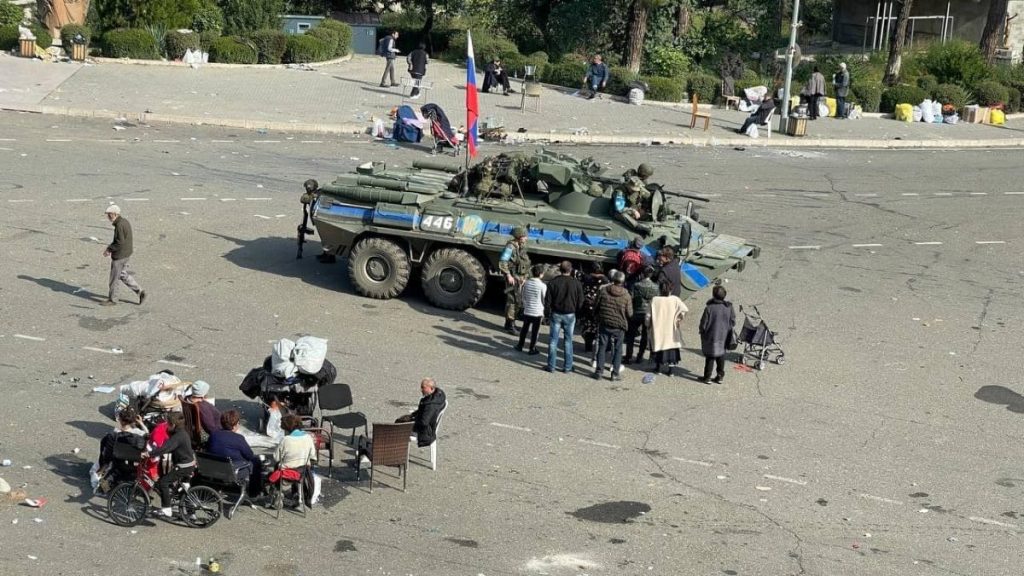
(695,114)
(407,87)
(530,90)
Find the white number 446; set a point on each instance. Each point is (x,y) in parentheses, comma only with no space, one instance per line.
(437,223)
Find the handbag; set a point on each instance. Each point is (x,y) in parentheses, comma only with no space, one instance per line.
(731,342)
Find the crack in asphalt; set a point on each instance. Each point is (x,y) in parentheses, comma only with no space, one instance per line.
(981,319)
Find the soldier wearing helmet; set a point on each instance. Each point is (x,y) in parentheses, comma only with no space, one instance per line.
(515,265)
(631,203)
(643,172)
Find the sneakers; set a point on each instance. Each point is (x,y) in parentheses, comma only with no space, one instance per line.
(164,512)
(142,297)
(108,303)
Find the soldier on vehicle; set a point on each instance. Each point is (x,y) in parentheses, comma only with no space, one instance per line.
(643,172)
(515,265)
(632,203)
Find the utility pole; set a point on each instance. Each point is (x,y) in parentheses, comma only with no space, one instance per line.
(794,24)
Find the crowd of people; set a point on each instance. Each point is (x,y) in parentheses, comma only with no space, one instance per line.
(637,300)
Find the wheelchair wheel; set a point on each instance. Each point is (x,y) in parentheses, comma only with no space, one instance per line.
(200,506)
(127,504)
(780,360)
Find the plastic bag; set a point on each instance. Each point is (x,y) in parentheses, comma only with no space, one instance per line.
(281,358)
(916,113)
(927,111)
(951,119)
(309,354)
(274,429)
(636,96)
(318,483)
(823,109)
(752,131)
(904,112)
(937,109)
(997,117)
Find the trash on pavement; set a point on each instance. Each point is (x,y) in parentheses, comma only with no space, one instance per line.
(35,502)
(648,378)
(6,462)
(101,390)
(4,486)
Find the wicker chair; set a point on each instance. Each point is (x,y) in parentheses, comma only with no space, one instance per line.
(390,447)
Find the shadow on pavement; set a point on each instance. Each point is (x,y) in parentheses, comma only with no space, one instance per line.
(73,470)
(1002,395)
(95,430)
(63,287)
(276,255)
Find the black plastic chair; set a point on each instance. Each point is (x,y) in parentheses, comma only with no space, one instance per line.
(339,397)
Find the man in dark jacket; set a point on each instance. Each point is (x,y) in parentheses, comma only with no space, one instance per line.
(417,61)
(760,116)
(716,330)
(119,251)
(563,299)
(670,270)
(597,76)
(842,85)
(386,48)
(614,306)
(425,417)
(496,75)
(179,446)
(640,323)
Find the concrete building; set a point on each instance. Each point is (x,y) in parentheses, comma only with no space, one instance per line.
(871,24)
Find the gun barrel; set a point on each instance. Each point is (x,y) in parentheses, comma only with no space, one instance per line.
(685,195)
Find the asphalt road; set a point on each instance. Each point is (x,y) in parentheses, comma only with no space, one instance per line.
(887,444)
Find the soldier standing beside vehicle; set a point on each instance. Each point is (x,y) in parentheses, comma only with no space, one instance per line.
(515,265)
(119,251)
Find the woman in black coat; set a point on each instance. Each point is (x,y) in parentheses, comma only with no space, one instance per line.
(716,329)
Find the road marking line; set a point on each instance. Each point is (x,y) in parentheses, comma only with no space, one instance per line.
(697,462)
(867,245)
(280,215)
(815,194)
(103,350)
(992,522)
(136,199)
(266,141)
(784,479)
(766,195)
(8,139)
(805,247)
(943,193)
(79,200)
(928,243)
(167,141)
(261,216)
(1014,193)
(510,427)
(601,444)
(108,140)
(711,195)
(867,195)
(227,199)
(312,141)
(880,499)
(20,201)
(910,194)
(263,198)
(33,338)
(979,193)
(191,199)
(173,363)
(989,242)
(223,141)
(58,139)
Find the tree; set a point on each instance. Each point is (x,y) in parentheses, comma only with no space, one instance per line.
(892,69)
(992,36)
(636,32)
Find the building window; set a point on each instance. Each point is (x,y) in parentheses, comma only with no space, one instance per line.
(303,27)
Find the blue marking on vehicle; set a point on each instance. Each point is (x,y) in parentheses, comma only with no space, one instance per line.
(581,238)
(695,275)
(346,211)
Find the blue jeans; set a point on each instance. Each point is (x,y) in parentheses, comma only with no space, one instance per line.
(561,322)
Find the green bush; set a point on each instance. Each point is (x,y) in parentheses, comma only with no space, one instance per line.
(990,93)
(952,94)
(244,16)
(955,62)
(869,96)
(8,37)
(705,86)
(302,48)
(666,62)
(207,38)
(485,47)
(569,75)
(927,83)
(42,33)
(901,94)
(177,43)
(270,45)
(10,15)
(619,78)
(208,18)
(68,32)
(330,37)
(130,43)
(233,50)
(665,89)
(344,32)
(1012,100)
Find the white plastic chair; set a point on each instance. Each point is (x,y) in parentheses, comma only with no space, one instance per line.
(768,122)
(433,445)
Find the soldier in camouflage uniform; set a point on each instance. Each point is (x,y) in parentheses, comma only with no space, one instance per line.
(515,265)
(632,203)
(643,172)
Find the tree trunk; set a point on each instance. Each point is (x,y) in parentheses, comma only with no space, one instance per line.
(682,20)
(635,36)
(892,69)
(428,25)
(992,37)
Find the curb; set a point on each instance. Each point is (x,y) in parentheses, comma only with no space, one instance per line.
(221,65)
(779,141)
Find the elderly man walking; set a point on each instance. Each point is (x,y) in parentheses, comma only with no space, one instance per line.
(119,251)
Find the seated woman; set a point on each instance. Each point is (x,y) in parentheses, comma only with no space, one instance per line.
(179,446)
(296,451)
(129,428)
(228,443)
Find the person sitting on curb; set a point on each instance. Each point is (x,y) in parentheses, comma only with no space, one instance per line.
(596,78)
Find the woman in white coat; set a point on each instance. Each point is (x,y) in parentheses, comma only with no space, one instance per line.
(667,313)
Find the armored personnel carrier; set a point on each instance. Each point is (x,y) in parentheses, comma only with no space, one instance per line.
(452,224)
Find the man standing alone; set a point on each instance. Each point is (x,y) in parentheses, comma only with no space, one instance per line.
(119,251)
(564,298)
(386,48)
(842,85)
(417,61)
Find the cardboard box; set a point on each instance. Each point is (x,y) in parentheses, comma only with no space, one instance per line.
(796,127)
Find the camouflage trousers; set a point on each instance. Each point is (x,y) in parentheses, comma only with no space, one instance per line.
(514,298)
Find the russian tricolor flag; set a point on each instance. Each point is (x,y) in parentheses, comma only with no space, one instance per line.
(472,106)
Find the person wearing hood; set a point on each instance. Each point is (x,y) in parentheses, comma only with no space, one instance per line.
(716,330)
(614,306)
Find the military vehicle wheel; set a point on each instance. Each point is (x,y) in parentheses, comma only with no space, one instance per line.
(378,268)
(453,279)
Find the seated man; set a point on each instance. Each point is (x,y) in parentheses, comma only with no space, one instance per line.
(209,416)
(228,443)
(425,416)
(596,78)
(631,203)
(495,75)
(760,116)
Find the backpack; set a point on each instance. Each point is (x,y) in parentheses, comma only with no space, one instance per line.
(382,47)
(631,261)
